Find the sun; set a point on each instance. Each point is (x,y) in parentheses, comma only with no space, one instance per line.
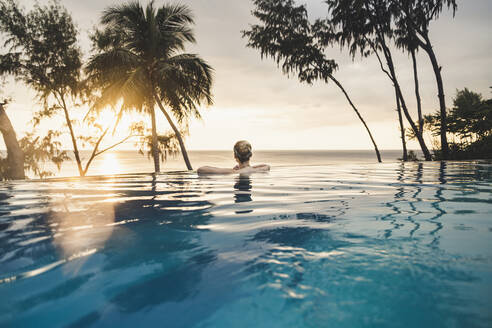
(109,164)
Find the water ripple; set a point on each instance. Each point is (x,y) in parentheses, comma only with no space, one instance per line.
(310,246)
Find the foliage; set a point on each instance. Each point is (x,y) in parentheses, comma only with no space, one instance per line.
(365,26)
(38,151)
(411,27)
(368,27)
(471,115)
(287,36)
(469,123)
(41,49)
(168,144)
(411,156)
(138,58)
(412,19)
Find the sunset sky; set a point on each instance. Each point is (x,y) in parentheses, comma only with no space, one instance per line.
(253,100)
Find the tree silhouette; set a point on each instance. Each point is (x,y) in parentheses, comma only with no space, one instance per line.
(42,52)
(13,166)
(44,55)
(138,58)
(412,19)
(287,36)
(365,27)
(469,122)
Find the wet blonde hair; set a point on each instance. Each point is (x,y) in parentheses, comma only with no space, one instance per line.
(242,151)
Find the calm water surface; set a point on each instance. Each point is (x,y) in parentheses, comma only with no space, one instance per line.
(366,245)
(121,162)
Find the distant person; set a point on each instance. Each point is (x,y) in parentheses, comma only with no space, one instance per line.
(242,154)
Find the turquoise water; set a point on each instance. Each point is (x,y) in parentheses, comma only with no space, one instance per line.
(363,245)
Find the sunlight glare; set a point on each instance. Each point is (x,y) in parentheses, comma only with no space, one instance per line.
(108,164)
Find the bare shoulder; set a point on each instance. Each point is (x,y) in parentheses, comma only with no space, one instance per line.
(206,170)
(213,170)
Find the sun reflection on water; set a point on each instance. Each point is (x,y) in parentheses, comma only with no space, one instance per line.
(77,227)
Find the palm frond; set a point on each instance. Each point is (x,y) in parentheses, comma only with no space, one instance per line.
(174,22)
(138,53)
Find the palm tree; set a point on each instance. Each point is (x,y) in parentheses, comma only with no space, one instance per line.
(412,20)
(287,35)
(139,59)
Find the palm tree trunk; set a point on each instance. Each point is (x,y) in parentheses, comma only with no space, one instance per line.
(155,149)
(417,92)
(393,78)
(378,155)
(389,62)
(420,138)
(176,132)
(72,135)
(442,100)
(402,128)
(15,155)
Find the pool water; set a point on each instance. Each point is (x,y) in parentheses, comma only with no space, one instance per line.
(376,245)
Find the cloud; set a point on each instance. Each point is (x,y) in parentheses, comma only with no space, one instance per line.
(252,94)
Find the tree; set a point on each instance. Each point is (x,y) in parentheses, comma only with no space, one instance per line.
(287,36)
(408,44)
(469,123)
(412,19)
(28,154)
(471,116)
(402,129)
(365,27)
(168,144)
(13,166)
(40,150)
(138,58)
(43,53)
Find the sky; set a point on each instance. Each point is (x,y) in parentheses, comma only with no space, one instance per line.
(253,100)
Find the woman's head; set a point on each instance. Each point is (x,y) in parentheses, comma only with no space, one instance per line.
(242,151)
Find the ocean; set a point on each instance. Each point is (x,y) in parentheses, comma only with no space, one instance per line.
(127,161)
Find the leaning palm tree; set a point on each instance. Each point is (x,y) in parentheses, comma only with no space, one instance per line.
(13,166)
(138,59)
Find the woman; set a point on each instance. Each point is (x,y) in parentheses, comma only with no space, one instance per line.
(242,154)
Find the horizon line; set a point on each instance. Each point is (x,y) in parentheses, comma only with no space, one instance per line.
(259,149)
